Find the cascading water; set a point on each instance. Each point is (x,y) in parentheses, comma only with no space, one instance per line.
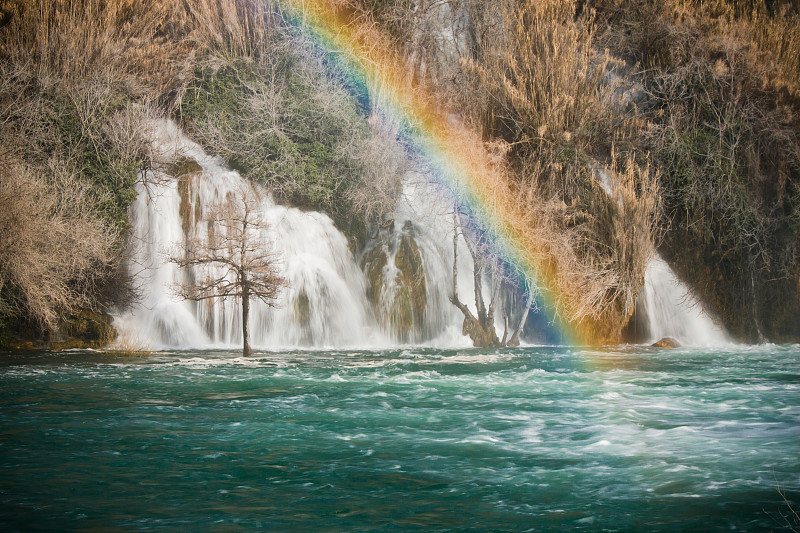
(427,219)
(324,303)
(671,310)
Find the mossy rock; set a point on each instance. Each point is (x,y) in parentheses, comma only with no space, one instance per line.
(90,328)
(302,316)
(184,166)
(412,279)
(373,264)
(84,329)
(404,316)
(667,342)
(302,308)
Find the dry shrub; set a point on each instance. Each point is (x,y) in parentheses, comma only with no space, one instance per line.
(595,247)
(54,248)
(665,35)
(149,47)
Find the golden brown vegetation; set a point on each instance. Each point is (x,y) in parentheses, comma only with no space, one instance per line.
(128,344)
(54,247)
(147,47)
(723,101)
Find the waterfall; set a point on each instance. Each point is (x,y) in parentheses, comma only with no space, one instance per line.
(325,301)
(323,305)
(429,219)
(670,309)
(396,291)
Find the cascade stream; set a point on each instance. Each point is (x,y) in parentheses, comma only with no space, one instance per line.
(669,309)
(326,301)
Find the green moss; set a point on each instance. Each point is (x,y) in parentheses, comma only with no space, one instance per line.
(81,142)
(404,313)
(299,158)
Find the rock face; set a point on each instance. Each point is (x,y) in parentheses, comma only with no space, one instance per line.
(396,285)
(302,315)
(666,342)
(84,329)
(186,170)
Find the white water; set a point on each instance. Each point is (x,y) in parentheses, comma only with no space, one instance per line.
(668,305)
(671,310)
(314,258)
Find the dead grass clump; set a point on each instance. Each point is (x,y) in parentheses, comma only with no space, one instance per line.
(129,343)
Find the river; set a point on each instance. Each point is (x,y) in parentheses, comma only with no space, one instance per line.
(530,439)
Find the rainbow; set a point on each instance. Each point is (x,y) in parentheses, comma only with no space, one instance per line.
(460,166)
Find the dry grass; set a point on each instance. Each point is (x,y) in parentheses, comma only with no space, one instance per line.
(665,35)
(723,84)
(129,344)
(149,47)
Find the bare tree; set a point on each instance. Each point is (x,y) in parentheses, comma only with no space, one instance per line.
(238,263)
(481,328)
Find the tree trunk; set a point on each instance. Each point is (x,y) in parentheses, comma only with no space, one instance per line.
(514,341)
(480,329)
(246,350)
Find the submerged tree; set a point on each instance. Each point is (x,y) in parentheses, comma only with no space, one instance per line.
(488,266)
(246,265)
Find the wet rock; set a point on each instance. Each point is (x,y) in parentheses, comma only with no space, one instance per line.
(396,285)
(84,329)
(667,342)
(89,328)
(184,166)
(302,316)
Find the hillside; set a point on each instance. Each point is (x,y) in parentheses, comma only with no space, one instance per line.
(690,110)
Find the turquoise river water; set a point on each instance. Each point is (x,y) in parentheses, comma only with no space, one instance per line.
(532,439)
